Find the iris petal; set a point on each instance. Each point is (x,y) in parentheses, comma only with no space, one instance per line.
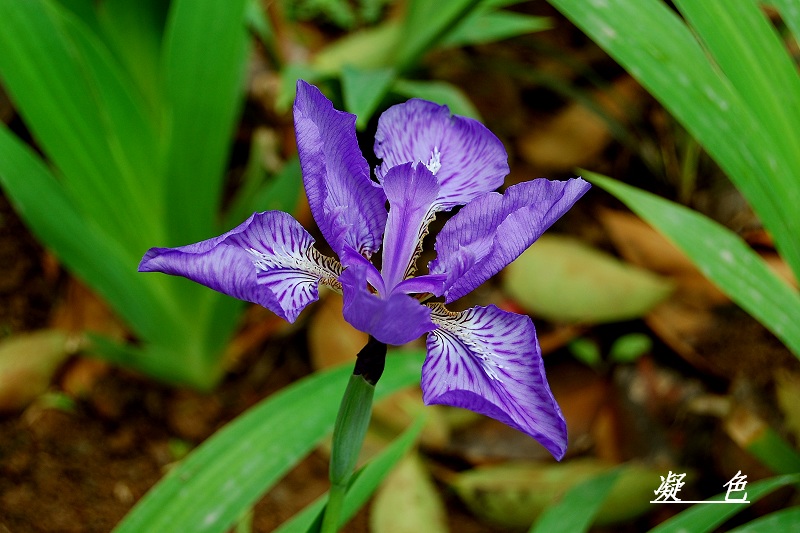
(269,259)
(494,229)
(411,191)
(395,319)
(489,361)
(347,206)
(467,159)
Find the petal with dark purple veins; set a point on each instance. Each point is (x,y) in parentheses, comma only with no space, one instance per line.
(467,159)
(489,361)
(349,208)
(493,230)
(269,259)
(411,191)
(396,319)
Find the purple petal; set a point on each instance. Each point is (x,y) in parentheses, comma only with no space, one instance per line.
(349,208)
(269,259)
(493,230)
(395,320)
(411,191)
(467,159)
(488,361)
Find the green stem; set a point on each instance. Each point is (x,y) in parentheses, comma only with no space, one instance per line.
(351,427)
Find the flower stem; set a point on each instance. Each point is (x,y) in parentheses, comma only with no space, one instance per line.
(351,427)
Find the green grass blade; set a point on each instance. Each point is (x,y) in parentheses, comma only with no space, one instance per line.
(577,509)
(790,13)
(662,53)
(205,52)
(83,246)
(365,482)
(363,91)
(721,256)
(704,518)
(220,480)
(783,520)
(484,26)
(79,106)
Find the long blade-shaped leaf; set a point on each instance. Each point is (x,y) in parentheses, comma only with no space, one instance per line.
(230,471)
(662,53)
(205,51)
(81,245)
(722,257)
(79,105)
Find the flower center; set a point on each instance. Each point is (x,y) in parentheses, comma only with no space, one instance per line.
(435,162)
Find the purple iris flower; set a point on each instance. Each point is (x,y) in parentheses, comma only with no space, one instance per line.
(483,359)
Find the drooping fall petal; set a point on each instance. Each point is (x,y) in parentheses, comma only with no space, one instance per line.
(269,259)
(347,206)
(466,158)
(494,229)
(394,319)
(488,361)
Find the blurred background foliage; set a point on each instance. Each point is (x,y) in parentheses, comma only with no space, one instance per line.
(128,125)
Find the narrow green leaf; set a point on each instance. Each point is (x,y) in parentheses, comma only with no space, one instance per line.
(440,92)
(367,49)
(577,509)
(80,107)
(205,52)
(133,31)
(425,24)
(363,91)
(662,53)
(83,246)
(223,477)
(362,486)
(701,518)
(721,256)
(783,520)
(483,26)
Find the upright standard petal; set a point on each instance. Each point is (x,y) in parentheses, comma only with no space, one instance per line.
(269,259)
(411,191)
(488,361)
(349,208)
(466,158)
(394,319)
(493,230)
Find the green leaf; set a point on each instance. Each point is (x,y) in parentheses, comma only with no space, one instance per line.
(630,347)
(701,518)
(662,52)
(440,92)
(362,486)
(721,256)
(42,203)
(575,512)
(363,91)
(783,520)
(564,280)
(425,24)
(228,473)
(367,49)
(483,26)
(133,31)
(204,56)
(81,108)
